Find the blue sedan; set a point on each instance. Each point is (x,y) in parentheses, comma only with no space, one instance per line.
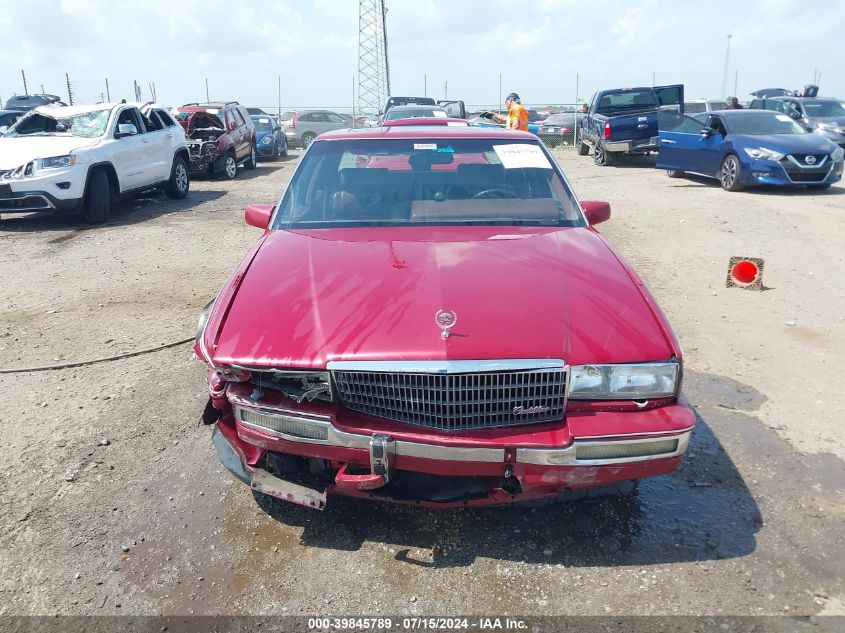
(748,147)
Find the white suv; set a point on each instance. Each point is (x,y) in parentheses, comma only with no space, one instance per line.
(81,158)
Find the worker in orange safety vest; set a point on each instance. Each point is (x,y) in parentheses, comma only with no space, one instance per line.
(517,117)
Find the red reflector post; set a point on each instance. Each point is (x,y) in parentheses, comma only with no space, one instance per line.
(745,272)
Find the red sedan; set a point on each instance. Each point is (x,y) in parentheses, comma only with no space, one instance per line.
(430,317)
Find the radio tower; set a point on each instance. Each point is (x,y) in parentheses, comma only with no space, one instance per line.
(373,68)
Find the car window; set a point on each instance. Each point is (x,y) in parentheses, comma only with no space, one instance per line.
(128,116)
(823,108)
(388,182)
(716,123)
(165,118)
(263,124)
(758,122)
(630,99)
(680,123)
(152,122)
(718,105)
(286,116)
(694,108)
(335,118)
(307,118)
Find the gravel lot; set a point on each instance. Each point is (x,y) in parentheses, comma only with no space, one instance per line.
(113,501)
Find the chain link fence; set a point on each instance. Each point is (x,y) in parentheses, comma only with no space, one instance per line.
(558,124)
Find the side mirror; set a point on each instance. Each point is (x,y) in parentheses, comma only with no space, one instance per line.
(126,129)
(707,132)
(259,215)
(596,211)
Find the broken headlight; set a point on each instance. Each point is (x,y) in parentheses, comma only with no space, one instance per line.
(636,381)
(298,385)
(202,320)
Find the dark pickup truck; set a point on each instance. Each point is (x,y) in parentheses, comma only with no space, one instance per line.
(624,121)
(455,109)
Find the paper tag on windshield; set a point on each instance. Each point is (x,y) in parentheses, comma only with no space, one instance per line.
(456,124)
(521,156)
(439,114)
(425,145)
(783,117)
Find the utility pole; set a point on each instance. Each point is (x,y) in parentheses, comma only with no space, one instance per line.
(25,89)
(425,85)
(445,90)
(736,82)
(42,89)
(108,94)
(69,90)
(500,93)
(653,76)
(577,86)
(725,73)
(207,99)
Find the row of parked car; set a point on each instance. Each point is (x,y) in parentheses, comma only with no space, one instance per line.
(784,140)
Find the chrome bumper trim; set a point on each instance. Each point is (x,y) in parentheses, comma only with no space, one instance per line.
(446,366)
(627,146)
(538,456)
(45,205)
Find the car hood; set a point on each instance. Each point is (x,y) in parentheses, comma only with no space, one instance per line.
(839,120)
(19,150)
(787,143)
(310,297)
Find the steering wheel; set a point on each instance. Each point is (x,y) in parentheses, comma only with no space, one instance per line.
(502,193)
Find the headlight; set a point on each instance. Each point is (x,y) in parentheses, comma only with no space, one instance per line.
(640,381)
(837,154)
(763,153)
(203,319)
(57,162)
(266,140)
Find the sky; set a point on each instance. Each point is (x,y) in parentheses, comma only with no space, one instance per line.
(454,48)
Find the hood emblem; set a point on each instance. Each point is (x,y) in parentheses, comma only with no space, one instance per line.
(810,159)
(445,320)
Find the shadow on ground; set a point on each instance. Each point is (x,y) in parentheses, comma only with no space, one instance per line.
(129,211)
(704,511)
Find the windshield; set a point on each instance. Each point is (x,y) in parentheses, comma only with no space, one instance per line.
(755,123)
(561,119)
(816,109)
(263,124)
(85,124)
(405,182)
(394,114)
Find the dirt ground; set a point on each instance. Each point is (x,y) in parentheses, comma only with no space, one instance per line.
(113,501)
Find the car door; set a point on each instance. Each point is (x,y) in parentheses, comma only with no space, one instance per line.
(336,122)
(455,109)
(681,142)
(669,96)
(160,147)
(130,155)
(711,148)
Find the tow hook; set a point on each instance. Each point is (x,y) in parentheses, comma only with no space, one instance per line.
(511,484)
(382,449)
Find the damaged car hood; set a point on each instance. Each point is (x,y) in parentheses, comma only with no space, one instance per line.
(19,150)
(310,297)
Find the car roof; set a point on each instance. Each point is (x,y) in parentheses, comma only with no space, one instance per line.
(417,106)
(799,99)
(739,113)
(54,110)
(427,131)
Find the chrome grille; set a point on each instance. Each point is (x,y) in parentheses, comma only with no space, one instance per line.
(452,398)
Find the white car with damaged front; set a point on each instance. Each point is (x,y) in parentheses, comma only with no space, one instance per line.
(82,158)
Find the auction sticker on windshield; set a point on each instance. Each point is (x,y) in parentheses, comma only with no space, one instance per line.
(521,156)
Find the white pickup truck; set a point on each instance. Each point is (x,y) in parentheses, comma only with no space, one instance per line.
(83,158)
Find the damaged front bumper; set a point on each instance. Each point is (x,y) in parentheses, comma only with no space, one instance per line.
(444,471)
